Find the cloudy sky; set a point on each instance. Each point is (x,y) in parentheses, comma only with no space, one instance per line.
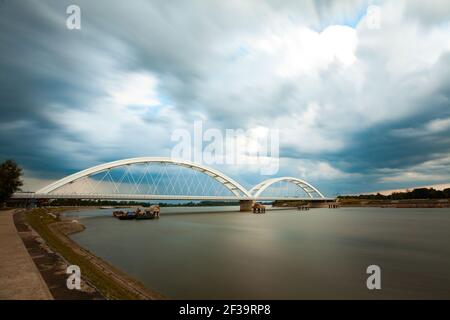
(358,108)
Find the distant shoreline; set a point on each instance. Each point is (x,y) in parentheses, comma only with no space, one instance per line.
(418,203)
(438,203)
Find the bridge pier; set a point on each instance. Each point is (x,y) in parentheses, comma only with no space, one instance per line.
(318,204)
(322,204)
(246,205)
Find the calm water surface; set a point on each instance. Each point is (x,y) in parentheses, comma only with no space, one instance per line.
(283,254)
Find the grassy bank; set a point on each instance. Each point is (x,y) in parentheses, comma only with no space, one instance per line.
(40,220)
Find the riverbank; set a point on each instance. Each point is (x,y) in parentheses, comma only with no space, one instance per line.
(19,277)
(51,265)
(109,281)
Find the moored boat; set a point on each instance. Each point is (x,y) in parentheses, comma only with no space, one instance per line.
(117,214)
(150,213)
(128,216)
(145,217)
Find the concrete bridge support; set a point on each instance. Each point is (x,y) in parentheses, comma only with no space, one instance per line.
(246,205)
(322,204)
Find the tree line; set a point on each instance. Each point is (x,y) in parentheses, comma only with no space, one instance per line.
(10,180)
(418,193)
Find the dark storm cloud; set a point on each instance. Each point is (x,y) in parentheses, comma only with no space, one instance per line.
(45,69)
(380,145)
(207,59)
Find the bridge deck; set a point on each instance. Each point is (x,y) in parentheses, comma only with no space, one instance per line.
(157,197)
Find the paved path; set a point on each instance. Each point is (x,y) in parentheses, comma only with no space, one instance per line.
(19,277)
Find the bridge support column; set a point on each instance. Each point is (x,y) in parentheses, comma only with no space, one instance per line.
(318,204)
(246,205)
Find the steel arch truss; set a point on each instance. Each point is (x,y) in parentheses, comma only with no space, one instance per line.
(234,187)
(309,189)
(234,190)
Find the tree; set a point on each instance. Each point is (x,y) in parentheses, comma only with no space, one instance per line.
(10,180)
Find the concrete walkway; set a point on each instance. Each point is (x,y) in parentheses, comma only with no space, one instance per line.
(19,277)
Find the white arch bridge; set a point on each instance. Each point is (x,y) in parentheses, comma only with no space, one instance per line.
(157,178)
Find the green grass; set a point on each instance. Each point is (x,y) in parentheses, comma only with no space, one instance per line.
(39,221)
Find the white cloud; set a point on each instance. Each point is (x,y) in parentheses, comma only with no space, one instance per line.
(432,127)
(319,170)
(138,89)
(295,49)
(128,120)
(438,125)
(322,88)
(412,176)
(433,170)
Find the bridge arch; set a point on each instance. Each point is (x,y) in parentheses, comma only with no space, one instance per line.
(257,190)
(229,183)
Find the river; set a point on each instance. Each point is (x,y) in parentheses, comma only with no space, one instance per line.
(283,254)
